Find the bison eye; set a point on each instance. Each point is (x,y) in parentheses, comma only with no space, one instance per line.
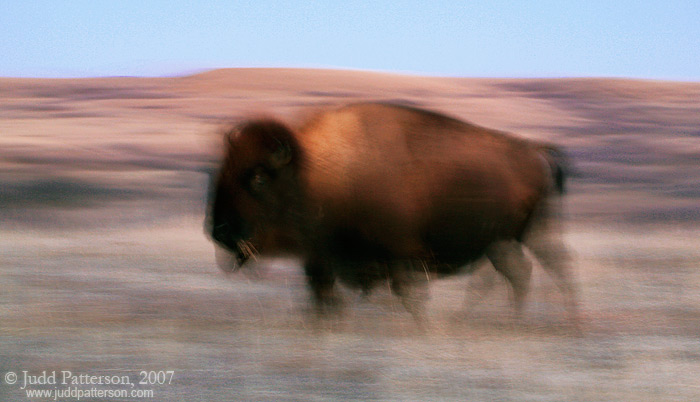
(259,181)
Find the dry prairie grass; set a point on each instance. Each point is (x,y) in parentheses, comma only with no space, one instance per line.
(105,267)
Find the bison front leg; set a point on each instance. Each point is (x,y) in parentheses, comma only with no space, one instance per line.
(321,279)
(409,281)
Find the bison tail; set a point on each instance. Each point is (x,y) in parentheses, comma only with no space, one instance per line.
(558,165)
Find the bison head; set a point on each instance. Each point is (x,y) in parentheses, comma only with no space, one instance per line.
(250,197)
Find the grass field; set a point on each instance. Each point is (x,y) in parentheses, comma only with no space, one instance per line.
(106,271)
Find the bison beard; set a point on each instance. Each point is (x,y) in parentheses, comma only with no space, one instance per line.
(378,192)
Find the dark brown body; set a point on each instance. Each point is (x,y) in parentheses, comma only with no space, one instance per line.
(373,192)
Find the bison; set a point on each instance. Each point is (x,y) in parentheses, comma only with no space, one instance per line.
(374,192)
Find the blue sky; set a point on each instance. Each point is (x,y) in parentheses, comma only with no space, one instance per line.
(640,39)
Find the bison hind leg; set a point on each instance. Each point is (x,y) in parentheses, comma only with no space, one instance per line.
(508,258)
(545,241)
(481,281)
(555,260)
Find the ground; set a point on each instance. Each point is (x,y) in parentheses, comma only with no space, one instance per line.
(106,270)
